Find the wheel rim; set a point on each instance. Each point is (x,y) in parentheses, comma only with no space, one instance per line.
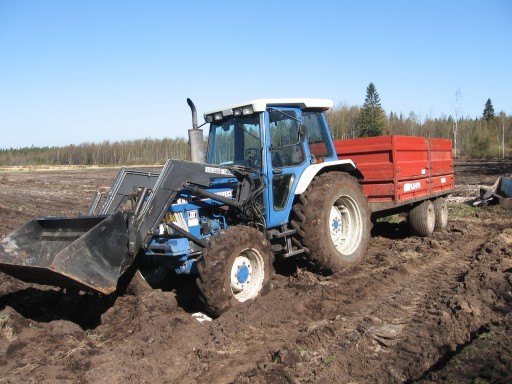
(247,274)
(345,225)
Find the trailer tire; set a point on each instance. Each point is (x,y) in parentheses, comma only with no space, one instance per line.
(422,219)
(236,266)
(441,211)
(332,220)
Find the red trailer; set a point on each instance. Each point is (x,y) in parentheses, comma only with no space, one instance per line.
(400,173)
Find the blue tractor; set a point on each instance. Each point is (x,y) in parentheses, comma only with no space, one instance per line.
(270,185)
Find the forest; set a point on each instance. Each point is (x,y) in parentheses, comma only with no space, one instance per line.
(472,137)
(488,136)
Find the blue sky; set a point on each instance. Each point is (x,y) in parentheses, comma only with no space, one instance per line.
(95,70)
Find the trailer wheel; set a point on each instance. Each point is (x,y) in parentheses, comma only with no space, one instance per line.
(332,220)
(236,266)
(422,219)
(441,212)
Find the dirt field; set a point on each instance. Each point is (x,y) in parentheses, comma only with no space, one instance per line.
(418,310)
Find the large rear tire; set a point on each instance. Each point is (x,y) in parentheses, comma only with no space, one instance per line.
(236,266)
(332,220)
(422,219)
(441,212)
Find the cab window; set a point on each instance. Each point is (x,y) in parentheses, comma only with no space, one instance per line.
(317,135)
(284,139)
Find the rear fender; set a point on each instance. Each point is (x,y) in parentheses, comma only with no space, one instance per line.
(310,172)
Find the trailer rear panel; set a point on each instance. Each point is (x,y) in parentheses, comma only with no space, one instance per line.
(399,170)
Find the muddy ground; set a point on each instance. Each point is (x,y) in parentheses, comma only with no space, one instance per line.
(418,310)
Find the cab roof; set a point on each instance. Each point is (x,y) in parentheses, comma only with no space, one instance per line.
(259,105)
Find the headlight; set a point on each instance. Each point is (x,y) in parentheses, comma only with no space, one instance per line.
(247,110)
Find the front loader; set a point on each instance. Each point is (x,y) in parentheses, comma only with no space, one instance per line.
(92,252)
(273,183)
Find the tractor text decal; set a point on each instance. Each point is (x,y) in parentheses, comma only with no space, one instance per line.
(218,171)
(193,218)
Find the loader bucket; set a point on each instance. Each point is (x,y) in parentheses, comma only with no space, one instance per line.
(84,252)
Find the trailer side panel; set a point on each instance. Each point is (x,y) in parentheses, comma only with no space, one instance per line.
(399,170)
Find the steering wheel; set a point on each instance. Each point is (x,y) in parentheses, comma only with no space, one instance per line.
(252,152)
(253,155)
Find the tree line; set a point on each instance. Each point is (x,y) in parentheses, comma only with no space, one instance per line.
(476,137)
(131,152)
(480,137)
(486,136)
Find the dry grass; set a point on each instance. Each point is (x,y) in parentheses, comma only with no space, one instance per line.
(43,168)
(46,168)
(6,331)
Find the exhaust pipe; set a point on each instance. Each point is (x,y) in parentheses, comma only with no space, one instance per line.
(195,137)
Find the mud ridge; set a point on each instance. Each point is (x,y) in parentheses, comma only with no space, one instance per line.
(449,356)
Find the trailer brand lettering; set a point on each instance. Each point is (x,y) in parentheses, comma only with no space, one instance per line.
(408,187)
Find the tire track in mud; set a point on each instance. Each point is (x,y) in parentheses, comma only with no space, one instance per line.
(396,322)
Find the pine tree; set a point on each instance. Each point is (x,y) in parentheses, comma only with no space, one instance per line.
(488,111)
(372,118)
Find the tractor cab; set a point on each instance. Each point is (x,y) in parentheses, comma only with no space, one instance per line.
(279,138)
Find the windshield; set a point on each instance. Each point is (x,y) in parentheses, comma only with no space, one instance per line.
(236,141)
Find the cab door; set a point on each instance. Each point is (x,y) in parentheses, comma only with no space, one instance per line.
(286,160)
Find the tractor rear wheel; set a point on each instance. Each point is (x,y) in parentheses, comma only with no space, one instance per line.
(332,220)
(236,266)
(422,219)
(441,212)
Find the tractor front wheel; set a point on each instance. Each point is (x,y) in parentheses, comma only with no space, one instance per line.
(236,266)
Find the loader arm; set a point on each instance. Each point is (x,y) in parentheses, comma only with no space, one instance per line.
(173,178)
(126,183)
